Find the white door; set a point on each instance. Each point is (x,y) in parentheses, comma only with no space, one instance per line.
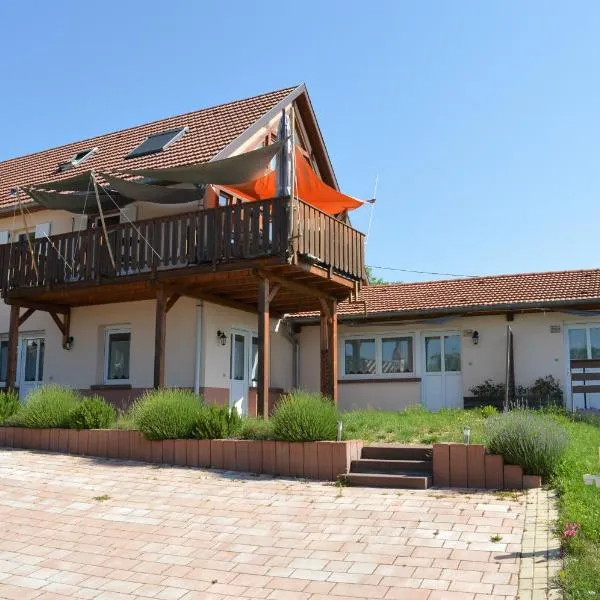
(30,364)
(442,381)
(583,366)
(243,368)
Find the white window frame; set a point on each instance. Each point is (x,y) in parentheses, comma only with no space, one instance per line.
(378,337)
(108,331)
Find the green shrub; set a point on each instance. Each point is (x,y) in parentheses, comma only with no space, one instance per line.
(92,413)
(255,429)
(305,417)
(216,422)
(488,390)
(9,404)
(166,414)
(488,411)
(534,441)
(46,406)
(548,388)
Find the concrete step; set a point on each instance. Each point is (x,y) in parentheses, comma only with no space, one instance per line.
(397,452)
(387,480)
(378,465)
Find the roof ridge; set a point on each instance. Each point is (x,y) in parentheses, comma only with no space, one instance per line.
(125,129)
(480,277)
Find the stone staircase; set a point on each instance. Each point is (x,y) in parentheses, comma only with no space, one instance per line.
(393,466)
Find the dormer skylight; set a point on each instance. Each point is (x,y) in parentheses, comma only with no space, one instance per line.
(157,142)
(76,159)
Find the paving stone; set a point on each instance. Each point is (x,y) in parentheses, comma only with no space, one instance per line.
(74,527)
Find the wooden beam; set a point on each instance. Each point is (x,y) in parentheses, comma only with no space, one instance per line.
(26,316)
(47,307)
(13,341)
(216,299)
(67,329)
(332,327)
(329,350)
(64,326)
(273,292)
(160,332)
(171,302)
(325,274)
(58,322)
(293,285)
(264,350)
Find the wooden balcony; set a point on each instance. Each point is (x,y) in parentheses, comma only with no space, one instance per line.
(217,254)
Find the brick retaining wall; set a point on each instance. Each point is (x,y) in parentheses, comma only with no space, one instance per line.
(468,466)
(313,460)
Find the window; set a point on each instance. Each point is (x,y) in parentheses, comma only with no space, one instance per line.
(77,159)
(109,220)
(157,142)
(21,235)
(584,343)
(397,355)
(378,356)
(360,357)
(117,347)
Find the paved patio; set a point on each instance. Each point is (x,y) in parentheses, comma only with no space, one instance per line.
(76,527)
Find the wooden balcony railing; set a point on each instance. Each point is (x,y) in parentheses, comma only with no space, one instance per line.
(224,234)
(318,236)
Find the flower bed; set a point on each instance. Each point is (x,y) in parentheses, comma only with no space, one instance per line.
(313,460)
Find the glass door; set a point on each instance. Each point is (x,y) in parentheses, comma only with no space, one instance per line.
(583,343)
(31,365)
(238,388)
(442,380)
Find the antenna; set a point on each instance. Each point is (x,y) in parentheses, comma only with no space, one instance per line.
(372,204)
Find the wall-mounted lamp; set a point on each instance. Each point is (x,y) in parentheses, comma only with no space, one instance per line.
(466,435)
(68,343)
(475,337)
(221,337)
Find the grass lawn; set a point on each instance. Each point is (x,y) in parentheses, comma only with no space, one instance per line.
(578,503)
(413,426)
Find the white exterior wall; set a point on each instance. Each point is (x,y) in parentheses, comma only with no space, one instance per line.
(60,221)
(83,366)
(537,352)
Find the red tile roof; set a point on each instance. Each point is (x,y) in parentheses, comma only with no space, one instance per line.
(498,292)
(210,130)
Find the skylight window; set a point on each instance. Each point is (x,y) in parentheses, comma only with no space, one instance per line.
(76,159)
(157,142)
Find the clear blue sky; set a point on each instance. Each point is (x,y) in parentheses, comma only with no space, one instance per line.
(481,118)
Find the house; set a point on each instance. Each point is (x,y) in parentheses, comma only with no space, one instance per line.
(127,264)
(121,271)
(431,342)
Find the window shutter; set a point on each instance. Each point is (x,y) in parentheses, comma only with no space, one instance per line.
(80,222)
(4,237)
(130,211)
(42,230)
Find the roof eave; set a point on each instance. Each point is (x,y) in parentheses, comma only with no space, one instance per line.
(469,310)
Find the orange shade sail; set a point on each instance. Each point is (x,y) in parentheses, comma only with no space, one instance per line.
(309,187)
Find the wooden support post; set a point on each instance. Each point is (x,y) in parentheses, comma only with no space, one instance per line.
(329,349)
(264,351)
(160,335)
(13,341)
(67,330)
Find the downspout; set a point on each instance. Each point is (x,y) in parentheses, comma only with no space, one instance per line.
(198,350)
